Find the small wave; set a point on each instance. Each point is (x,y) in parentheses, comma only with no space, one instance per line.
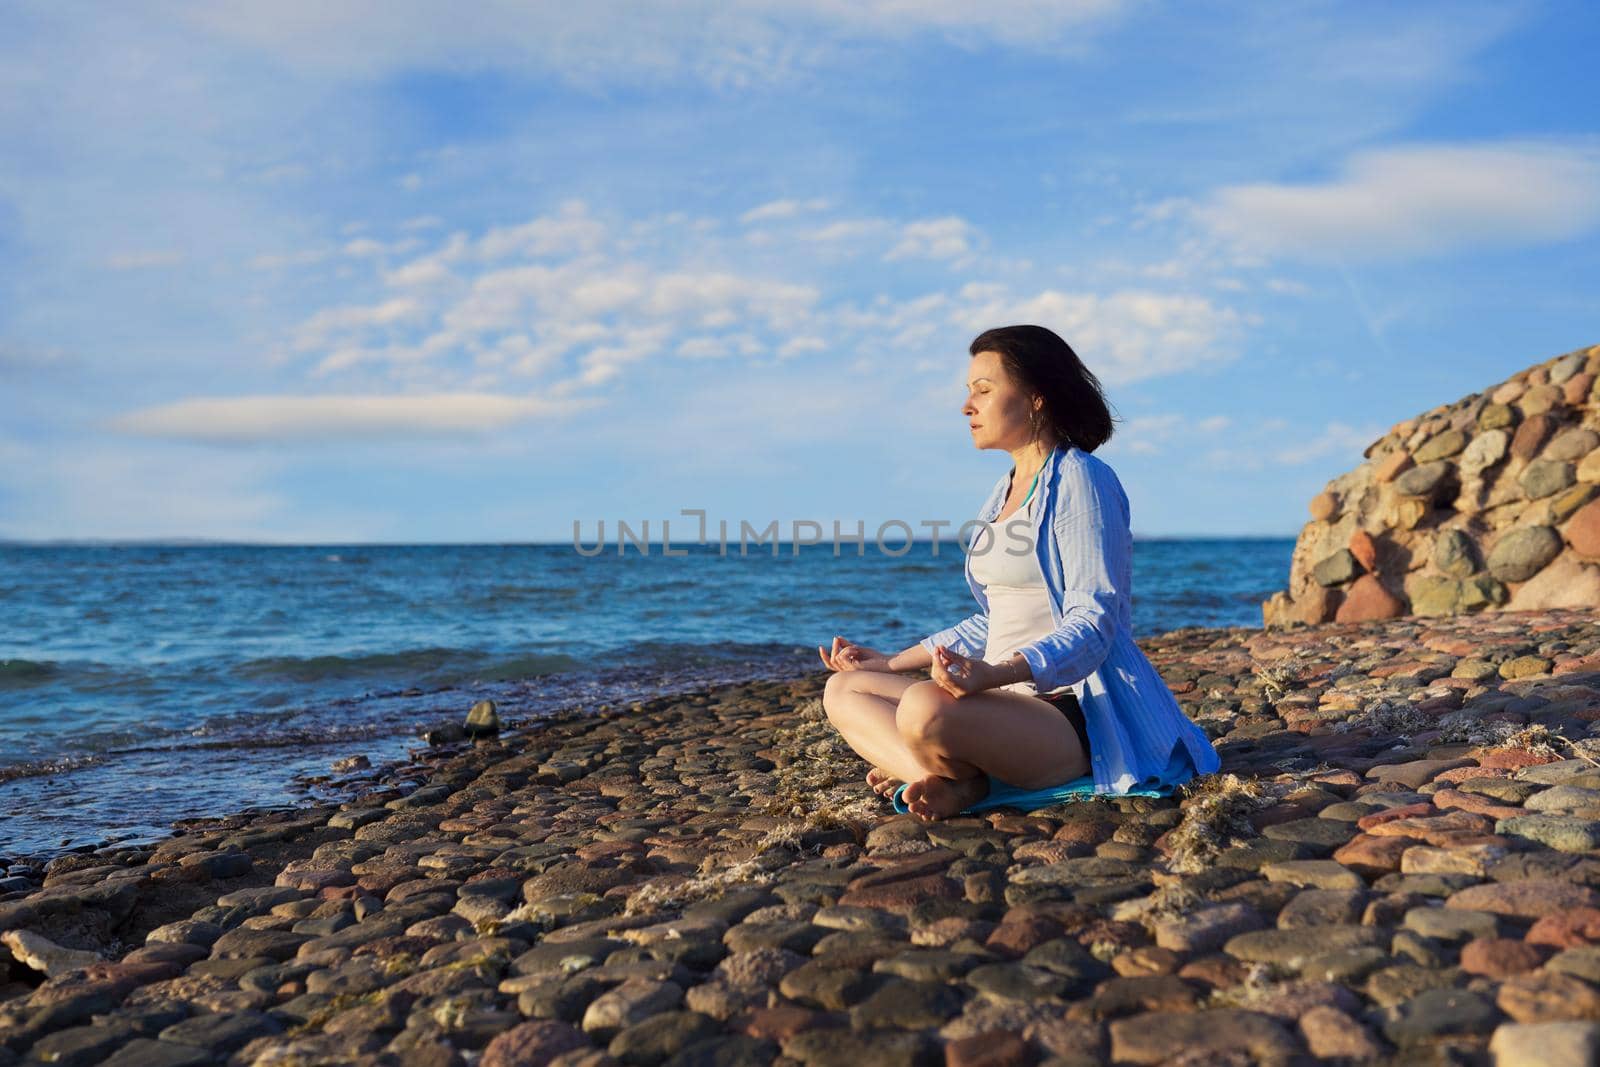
(15,673)
(534,665)
(45,767)
(360,665)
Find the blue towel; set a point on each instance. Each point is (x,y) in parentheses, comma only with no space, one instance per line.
(1002,795)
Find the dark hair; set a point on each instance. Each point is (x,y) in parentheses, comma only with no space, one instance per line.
(1041,362)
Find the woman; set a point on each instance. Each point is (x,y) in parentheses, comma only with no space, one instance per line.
(1044,684)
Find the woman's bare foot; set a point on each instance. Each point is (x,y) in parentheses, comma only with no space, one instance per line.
(939,798)
(882,782)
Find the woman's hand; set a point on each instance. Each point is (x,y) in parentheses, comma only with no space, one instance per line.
(960,675)
(848,656)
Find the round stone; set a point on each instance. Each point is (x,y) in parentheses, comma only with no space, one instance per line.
(1574,442)
(1337,568)
(1426,481)
(1433,594)
(1455,554)
(1583,532)
(1485,450)
(1523,552)
(1546,477)
(1441,446)
(1497,417)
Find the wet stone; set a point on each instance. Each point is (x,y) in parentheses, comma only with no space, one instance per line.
(658,1038)
(831,988)
(1206,1037)
(145,1052)
(843,1048)
(1016,981)
(1320,834)
(737,1050)
(1397,982)
(928,965)
(1291,947)
(631,1002)
(1319,874)
(1558,832)
(221,1032)
(1438,1013)
(906,1005)
(1451,924)
(1206,929)
(1323,907)
(82,1046)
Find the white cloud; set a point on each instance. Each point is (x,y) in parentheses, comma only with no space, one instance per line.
(1124,336)
(782,209)
(1275,442)
(944,238)
(1411,201)
(278,419)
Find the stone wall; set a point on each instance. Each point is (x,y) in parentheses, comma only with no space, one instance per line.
(1489,503)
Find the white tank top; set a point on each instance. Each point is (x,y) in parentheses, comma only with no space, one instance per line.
(1006,564)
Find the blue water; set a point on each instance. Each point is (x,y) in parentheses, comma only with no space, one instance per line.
(144,684)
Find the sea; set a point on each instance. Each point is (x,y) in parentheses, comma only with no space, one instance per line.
(145,684)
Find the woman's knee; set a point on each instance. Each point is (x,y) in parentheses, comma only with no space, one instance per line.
(835,694)
(925,714)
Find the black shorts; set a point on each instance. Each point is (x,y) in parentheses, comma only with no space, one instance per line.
(1067,704)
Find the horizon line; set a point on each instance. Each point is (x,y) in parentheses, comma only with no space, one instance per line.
(205,542)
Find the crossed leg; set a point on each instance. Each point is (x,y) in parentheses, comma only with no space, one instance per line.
(944,747)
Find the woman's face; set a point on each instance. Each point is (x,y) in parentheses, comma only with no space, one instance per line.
(997,409)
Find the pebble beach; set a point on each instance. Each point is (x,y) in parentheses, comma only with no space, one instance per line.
(1400,863)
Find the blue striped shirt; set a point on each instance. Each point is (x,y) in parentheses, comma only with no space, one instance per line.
(1082,537)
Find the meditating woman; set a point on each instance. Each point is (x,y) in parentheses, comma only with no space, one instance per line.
(1044,685)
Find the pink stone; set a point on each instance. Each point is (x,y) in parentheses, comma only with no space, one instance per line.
(1455,823)
(1480,805)
(1331,1034)
(1392,466)
(1583,530)
(1531,436)
(1576,391)
(1365,550)
(1373,856)
(1500,957)
(901,896)
(1016,938)
(1568,929)
(1378,818)
(1532,898)
(988,1050)
(1367,600)
(1512,759)
(535,1042)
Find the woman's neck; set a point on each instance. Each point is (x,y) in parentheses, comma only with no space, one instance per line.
(1028,460)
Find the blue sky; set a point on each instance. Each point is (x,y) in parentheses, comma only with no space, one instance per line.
(404,271)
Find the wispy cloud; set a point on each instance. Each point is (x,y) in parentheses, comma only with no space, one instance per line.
(1417,200)
(731,45)
(293,419)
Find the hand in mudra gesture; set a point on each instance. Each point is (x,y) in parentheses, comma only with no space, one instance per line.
(849,656)
(959,675)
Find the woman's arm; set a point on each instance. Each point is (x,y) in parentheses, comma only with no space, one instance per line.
(915,658)
(1094,546)
(969,637)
